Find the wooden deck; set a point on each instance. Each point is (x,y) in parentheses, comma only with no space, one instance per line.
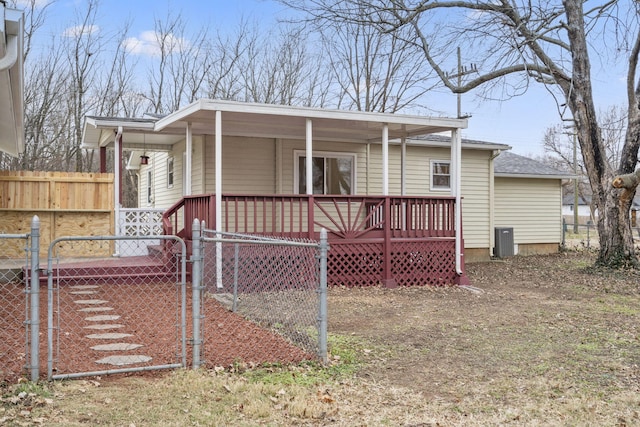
(388,240)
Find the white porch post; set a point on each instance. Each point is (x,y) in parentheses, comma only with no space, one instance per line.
(188,160)
(385,160)
(403,166)
(218,154)
(117,172)
(456,176)
(309,157)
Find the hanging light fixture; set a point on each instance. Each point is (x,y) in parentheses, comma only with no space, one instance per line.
(144,159)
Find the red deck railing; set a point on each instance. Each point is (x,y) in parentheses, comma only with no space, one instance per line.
(381,238)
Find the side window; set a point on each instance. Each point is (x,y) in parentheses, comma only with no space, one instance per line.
(149,187)
(170,172)
(440,175)
(333,173)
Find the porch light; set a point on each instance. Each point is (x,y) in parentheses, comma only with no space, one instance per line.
(144,159)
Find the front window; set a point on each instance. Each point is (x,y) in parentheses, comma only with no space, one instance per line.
(440,175)
(333,173)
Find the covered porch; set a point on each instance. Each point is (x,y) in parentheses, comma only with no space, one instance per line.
(376,237)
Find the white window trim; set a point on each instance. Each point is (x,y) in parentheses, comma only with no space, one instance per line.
(431,170)
(335,154)
(171,161)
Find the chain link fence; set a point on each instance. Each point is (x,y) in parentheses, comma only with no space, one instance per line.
(113,315)
(262,299)
(87,312)
(14,307)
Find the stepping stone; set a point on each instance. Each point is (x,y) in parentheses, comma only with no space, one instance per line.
(103,326)
(124,360)
(109,336)
(102,318)
(118,346)
(84,287)
(83,292)
(90,301)
(92,309)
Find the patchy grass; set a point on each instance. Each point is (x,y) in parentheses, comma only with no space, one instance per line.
(548,342)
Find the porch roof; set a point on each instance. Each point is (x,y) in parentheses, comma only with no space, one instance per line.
(264,120)
(11,81)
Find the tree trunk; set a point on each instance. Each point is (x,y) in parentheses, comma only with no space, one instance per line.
(614,226)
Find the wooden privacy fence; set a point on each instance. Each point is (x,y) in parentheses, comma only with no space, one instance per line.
(67,203)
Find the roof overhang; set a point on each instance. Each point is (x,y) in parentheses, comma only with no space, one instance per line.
(11,81)
(535,176)
(287,122)
(139,134)
(261,120)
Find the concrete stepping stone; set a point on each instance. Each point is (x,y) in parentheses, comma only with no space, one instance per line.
(95,309)
(102,318)
(83,292)
(84,287)
(118,346)
(104,326)
(91,301)
(124,360)
(109,336)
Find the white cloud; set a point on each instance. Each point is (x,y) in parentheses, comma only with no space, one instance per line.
(149,44)
(80,30)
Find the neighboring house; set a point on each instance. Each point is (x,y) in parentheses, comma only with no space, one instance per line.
(384,185)
(528,198)
(584,208)
(11,81)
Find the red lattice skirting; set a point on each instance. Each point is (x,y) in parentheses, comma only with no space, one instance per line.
(413,263)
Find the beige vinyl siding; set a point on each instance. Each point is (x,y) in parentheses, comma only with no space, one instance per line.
(476,198)
(248,165)
(197,166)
(531,206)
(475,184)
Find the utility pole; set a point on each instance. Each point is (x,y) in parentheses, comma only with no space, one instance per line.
(462,71)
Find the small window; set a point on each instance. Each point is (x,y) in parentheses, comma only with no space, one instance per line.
(149,187)
(170,172)
(440,175)
(333,173)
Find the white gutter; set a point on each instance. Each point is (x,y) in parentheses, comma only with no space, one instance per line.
(11,55)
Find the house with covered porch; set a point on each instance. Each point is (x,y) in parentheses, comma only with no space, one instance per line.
(389,195)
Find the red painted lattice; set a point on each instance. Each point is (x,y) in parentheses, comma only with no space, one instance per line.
(420,263)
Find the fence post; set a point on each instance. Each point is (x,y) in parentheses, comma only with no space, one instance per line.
(196,282)
(35,298)
(322,315)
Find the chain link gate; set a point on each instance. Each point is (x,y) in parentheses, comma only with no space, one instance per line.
(260,299)
(113,315)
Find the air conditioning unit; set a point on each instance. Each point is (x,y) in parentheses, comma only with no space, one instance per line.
(504,246)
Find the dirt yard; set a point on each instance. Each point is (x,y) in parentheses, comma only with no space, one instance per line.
(538,341)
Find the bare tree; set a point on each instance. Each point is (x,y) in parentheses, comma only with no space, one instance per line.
(518,43)
(374,71)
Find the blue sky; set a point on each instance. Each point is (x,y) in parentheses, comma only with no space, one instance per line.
(519,122)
